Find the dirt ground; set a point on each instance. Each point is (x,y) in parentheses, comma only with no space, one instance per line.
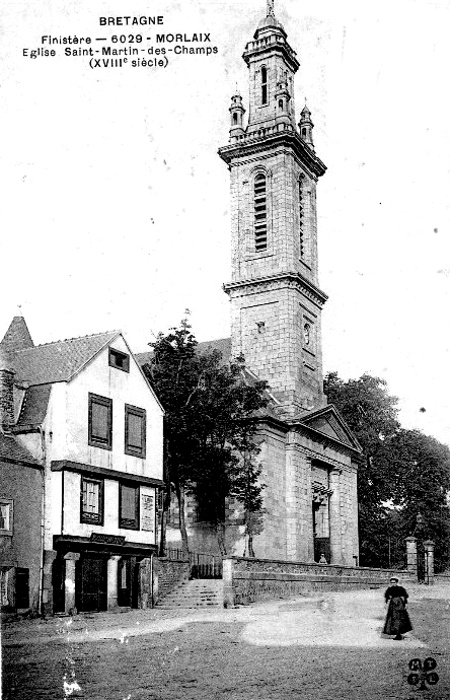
(325,647)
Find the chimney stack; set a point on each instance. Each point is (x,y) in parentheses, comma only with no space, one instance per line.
(6,393)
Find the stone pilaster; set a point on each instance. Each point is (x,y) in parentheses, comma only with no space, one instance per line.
(429,561)
(335,518)
(71,560)
(113,581)
(308,520)
(290,501)
(145,597)
(411,555)
(47,582)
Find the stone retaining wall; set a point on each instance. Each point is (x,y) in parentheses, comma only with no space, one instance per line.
(167,575)
(442,577)
(250,580)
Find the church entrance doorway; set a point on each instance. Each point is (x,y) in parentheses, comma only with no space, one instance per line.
(321,540)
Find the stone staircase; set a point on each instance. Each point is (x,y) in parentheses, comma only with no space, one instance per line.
(197,593)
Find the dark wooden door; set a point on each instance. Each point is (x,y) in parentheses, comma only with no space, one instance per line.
(58,579)
(128,584)
(92,584)
(22,588)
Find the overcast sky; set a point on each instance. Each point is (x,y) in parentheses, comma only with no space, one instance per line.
(115,205)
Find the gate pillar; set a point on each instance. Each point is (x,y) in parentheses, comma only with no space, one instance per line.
(411,555)
(429,561)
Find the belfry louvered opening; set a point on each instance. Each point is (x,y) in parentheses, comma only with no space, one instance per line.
(264,92)
(260,202)
(301,215)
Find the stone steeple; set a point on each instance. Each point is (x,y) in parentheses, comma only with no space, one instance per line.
(276,302)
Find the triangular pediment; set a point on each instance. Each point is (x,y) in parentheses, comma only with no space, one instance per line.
(329,422)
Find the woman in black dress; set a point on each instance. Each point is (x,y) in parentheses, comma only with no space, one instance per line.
(397,618)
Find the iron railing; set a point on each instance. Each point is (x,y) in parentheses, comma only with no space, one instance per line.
(201,564)
(205,565)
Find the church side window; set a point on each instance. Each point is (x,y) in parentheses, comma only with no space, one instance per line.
(264,85)
(260,203)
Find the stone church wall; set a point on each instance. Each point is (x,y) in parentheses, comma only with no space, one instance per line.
(250,580)
(272,540)
(349,516)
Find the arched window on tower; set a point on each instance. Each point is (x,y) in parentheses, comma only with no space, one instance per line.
(264,85)
(260,204)
(235,118)
(301,217)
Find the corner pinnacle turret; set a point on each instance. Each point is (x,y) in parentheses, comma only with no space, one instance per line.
(306,126)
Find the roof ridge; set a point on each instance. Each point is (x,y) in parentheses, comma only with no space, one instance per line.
(66,340)
(214,340)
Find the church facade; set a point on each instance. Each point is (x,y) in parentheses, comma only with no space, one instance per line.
(308,454)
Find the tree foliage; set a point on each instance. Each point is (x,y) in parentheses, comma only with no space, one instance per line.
(371,414)
(210,435)
(402,473)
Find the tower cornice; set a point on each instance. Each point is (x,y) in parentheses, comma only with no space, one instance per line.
(280,280)
(274,43)
(267,137)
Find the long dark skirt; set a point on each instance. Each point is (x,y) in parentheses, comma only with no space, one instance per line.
(397,618)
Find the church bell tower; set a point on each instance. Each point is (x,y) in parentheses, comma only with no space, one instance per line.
(275,299)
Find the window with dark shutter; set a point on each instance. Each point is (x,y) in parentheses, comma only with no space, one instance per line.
(135,431)
(129,507)
(100,422)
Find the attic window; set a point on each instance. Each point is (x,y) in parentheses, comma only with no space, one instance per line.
(119,360)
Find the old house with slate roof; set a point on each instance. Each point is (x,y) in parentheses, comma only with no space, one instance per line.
(309,455)
(81,466)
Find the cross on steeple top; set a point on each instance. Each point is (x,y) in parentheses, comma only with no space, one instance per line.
(270,8)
